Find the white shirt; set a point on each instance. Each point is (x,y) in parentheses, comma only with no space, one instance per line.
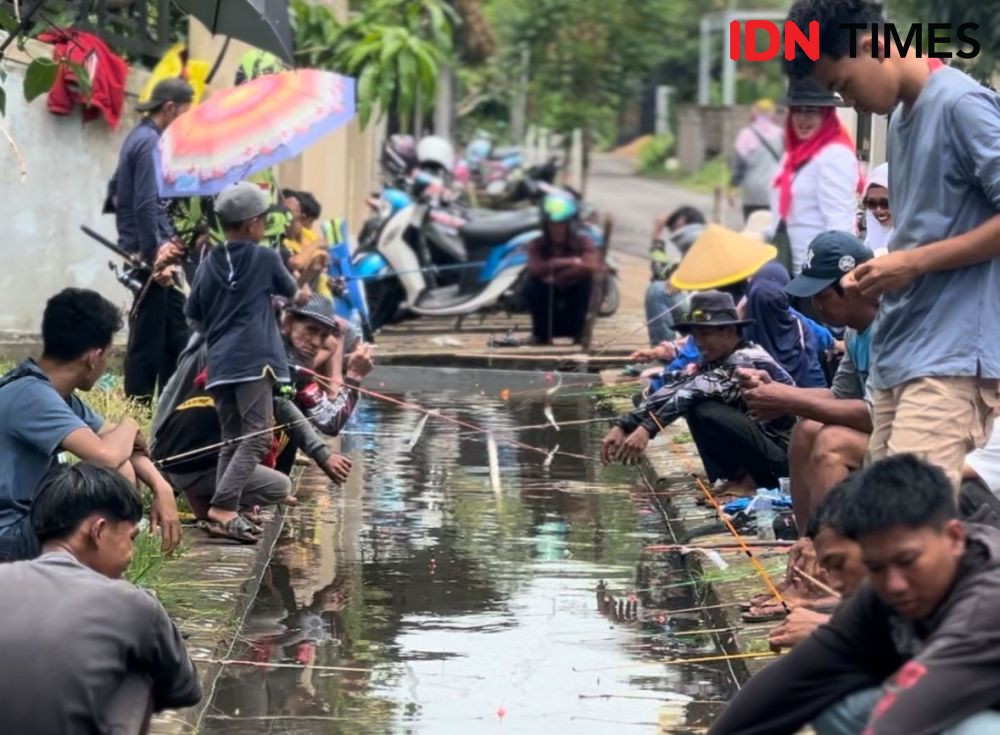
(824,197)
(986,461)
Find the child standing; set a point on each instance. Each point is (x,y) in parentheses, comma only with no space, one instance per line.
(936,361)
(232,302)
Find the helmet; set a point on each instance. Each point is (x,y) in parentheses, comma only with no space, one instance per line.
(478,150)
(399,155)
(256,64)
(559,208)
(435,151)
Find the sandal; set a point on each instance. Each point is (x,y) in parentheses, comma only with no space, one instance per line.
(237,529)
(253,516)
(291,501)
(768,613)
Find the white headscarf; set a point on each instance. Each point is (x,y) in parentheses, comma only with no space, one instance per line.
(878,235)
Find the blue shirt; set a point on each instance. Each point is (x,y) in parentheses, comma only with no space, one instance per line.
(140,214)
(944,177)
(34,422)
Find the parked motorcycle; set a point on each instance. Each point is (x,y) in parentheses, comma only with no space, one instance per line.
(423,261)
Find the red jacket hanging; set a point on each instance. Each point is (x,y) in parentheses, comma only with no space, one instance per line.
(107,73)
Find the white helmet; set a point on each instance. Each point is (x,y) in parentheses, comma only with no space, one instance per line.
(436,151)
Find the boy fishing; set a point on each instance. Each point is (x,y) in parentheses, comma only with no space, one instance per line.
(232,302)
(938,282)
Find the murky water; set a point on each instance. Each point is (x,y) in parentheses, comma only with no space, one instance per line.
(419,600)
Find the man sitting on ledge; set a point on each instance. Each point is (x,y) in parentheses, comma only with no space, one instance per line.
(733,446)
(917,649)
(83,650)
(41,416)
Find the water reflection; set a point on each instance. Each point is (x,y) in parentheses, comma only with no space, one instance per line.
(418,600)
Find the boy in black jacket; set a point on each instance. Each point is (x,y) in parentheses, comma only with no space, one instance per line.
(232,302)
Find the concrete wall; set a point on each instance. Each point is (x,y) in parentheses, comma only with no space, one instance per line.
(68,166)
(707,131)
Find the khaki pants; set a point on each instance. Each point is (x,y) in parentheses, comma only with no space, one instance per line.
(938,419)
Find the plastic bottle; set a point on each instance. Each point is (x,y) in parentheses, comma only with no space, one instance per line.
(765,515)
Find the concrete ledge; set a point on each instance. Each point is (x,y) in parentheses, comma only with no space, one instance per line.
(216,584)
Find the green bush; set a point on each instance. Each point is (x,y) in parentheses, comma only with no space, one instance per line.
(654,153)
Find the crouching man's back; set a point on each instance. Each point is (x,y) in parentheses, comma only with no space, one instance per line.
(79,647)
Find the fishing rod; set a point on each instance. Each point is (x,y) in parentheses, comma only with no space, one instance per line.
(758,567)
(173,459)
(694,660)
(330,383)
(743,544)
(642,326)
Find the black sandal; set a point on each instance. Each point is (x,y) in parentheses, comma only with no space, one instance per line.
(237,529)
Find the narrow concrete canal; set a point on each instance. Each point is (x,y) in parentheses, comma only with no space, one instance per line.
(418,599)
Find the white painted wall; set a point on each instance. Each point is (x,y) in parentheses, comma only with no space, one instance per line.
(68,166)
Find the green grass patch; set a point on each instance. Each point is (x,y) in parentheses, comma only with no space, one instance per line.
(714,174)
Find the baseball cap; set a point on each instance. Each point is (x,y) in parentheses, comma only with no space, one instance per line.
(240,202)
(831,255)
(173,89)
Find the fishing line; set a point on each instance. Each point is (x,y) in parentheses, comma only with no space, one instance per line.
(329,383)
(160,464)
(620,337)
(743,544)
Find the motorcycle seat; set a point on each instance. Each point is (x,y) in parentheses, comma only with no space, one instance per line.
(499,154)
(499,228)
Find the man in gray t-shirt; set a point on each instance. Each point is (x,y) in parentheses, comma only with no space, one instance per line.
(83,650)
(936,359)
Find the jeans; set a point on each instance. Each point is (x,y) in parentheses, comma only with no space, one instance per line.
(265,487)
(18,542)
(850,717)
(246,411)
(660,312)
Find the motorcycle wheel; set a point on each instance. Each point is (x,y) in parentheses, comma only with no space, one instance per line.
(612,298)
(384,298)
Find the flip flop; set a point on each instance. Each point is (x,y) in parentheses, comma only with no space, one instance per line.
(236,529)
(291,501)
(253,516)
(765,613)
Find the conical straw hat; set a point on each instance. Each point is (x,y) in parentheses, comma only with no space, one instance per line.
(720,257)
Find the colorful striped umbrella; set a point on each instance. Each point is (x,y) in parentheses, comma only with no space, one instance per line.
(242,130)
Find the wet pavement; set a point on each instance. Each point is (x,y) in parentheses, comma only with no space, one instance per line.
(418,599)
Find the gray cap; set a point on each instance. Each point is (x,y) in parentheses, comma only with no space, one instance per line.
(319,309)
(240,202)
(173,89)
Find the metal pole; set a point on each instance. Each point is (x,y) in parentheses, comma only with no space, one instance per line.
(728,69)
(704,61)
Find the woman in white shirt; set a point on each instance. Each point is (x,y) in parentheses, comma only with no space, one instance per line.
(819,179)
(878,214)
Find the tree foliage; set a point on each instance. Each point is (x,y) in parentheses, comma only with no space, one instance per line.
(984,13)
(395,48)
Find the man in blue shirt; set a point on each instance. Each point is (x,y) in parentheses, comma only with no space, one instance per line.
(41,416)
(936,359)
(158,331)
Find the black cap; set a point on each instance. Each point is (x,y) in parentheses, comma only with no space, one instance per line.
(711,309)
(809,92)
(830,257)
(173,89)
